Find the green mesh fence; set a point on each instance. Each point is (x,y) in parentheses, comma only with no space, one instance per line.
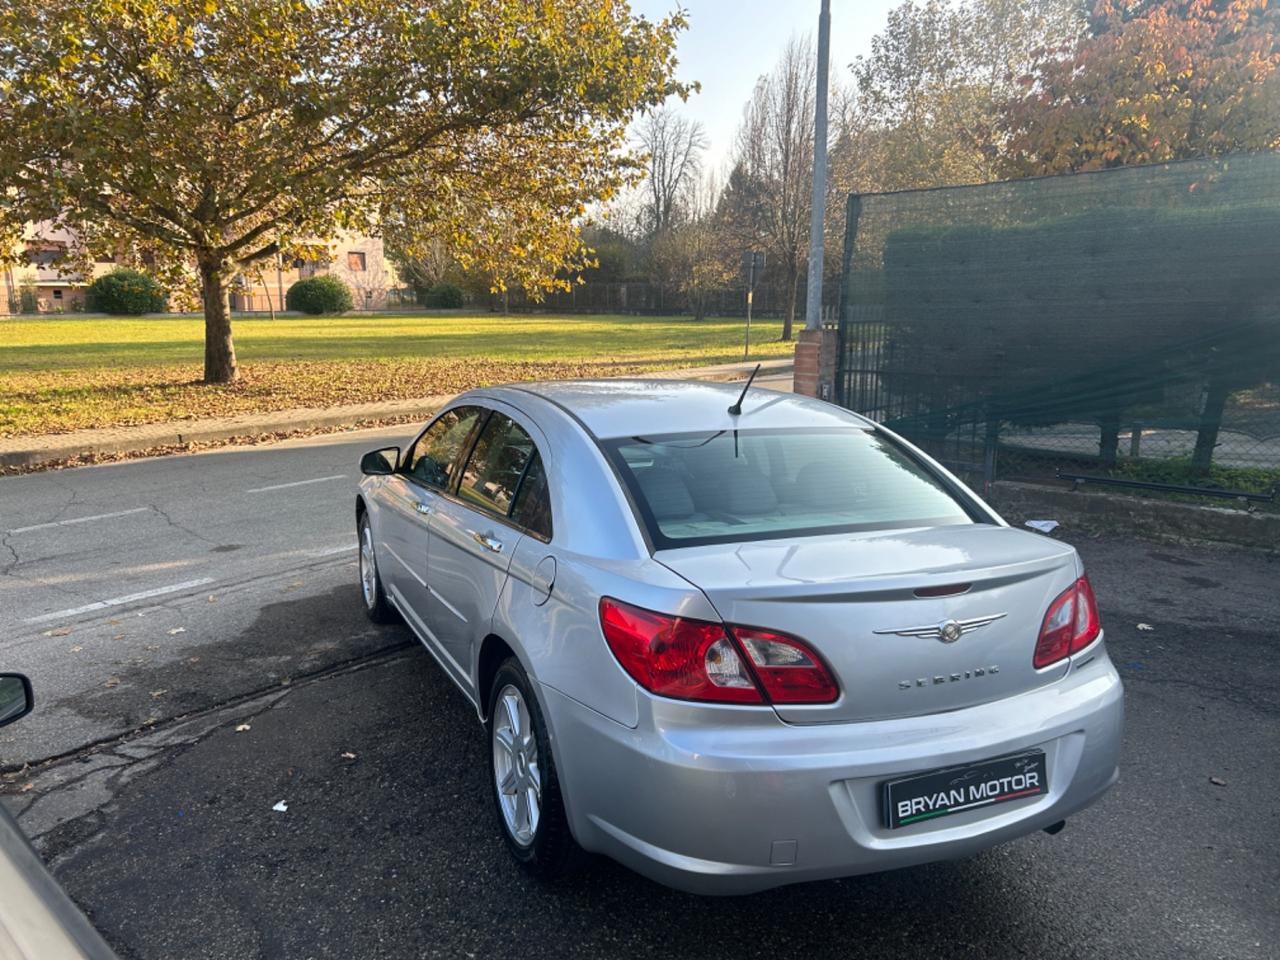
(1121,324)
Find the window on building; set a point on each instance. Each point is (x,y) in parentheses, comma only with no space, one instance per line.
(46,255)
(57,294)
(355,261)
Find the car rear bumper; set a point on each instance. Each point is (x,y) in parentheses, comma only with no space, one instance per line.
(748,802)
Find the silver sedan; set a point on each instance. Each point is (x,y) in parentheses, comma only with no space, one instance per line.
(735,647)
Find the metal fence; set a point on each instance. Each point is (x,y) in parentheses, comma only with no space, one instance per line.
(1123,324)
(646,297)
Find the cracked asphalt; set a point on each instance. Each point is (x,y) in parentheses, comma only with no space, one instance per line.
(156,812)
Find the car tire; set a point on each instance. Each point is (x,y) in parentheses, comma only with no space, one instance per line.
(376,606)
(543,845)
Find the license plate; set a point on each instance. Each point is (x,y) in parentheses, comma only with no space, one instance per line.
(929,796)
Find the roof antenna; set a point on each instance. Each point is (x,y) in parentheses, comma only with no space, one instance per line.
(736,409)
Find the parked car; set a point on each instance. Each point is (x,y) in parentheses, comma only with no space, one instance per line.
(737,645)
(38,921)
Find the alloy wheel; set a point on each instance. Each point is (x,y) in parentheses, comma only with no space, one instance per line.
(368,567)
(515,766)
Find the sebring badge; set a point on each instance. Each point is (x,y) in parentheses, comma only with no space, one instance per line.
(948,631)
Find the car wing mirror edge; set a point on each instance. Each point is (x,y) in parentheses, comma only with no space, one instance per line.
(380,463)
(16,697)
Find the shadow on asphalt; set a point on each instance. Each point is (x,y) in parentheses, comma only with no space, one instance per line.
(394,853)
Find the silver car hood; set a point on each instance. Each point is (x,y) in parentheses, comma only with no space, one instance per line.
(852,597)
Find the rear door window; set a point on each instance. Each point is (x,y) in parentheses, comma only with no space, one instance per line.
(497,464)
(532,508)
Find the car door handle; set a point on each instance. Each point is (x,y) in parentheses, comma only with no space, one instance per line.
(422,508)
(488,542)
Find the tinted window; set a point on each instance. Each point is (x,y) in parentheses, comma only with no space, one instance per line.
(747,485)
(533,503)
(497,463)
(433,458)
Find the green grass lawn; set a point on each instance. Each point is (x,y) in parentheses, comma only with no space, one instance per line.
(62,373)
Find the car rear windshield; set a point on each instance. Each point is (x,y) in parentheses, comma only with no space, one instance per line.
(737,485)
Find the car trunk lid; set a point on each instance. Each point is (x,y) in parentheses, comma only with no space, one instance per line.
(874,606)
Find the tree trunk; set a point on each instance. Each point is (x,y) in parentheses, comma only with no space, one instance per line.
(219,350)
(271,306)
(1215,403)
(791,304)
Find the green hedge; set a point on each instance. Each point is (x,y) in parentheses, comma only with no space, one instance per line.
(443,296)
(325,294)
(126,293)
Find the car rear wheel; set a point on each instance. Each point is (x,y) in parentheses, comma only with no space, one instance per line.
(526,788)
(376,606)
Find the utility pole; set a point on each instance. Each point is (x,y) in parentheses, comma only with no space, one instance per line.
(813,298)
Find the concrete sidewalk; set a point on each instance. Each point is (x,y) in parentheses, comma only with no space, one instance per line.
(175,435)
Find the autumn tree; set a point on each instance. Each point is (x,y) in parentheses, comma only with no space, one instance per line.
(694,253)
(1150,83)
(923,107)
(220,132)
(774,156)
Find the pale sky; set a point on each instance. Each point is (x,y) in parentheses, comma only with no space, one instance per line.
(730,43)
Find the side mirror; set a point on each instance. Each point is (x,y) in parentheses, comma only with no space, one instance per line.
(16,698)
(379,463)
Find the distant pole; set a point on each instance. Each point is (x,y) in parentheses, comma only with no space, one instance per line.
(813,299)
(751,286)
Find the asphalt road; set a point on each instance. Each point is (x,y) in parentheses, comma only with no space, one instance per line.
(139,591)
(165,831)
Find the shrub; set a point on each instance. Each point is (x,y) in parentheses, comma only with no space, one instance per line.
(319,295)
(445,296)
(126,292)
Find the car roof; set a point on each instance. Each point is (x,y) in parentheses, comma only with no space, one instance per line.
(644,407)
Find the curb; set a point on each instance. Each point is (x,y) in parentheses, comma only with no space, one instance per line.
(150,437)
(1113,514)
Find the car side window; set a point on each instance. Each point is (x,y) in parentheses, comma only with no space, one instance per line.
(497,463)
(433,459)
(533,503)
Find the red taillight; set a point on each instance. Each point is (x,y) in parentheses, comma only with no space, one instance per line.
(1070,625)
(701,660)
(787,669)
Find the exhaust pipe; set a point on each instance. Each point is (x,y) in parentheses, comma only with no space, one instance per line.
(1055,828)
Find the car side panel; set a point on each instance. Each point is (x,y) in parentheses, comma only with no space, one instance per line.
(559,639)
(464,578)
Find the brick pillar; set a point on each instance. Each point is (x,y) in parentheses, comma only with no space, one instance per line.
(815,371)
